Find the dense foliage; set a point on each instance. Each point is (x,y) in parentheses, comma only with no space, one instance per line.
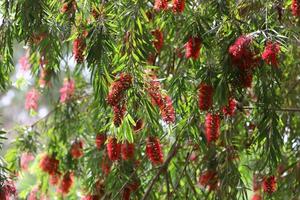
(192,99)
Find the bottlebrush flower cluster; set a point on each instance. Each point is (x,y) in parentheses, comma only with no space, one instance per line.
(153,150)
(230,108)
(77,149)
(205,96)
(113,149)
(7,190)
(66,183)
(160,5)
(127,150)
(295,6)
(32,98)
(49,164)
(24,63)
(100,140)
(212,127)
(178,6)
(209,179)
(55,178)
(270,53)
(116,95)
(159,39)
(163,101)
(269,184)
(78,49)
(256,196)
(67,90)
(26,158)
(192,48)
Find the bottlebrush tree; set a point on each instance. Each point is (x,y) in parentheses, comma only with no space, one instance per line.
(181,99)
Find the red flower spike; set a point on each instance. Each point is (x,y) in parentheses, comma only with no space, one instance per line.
(153,150)
(270,54)
(127,150)
(192,48)
(209,179)
(167,110)
(78,49)
(118,87)
(119,112)
(256,197)
(54,178)
(205,97)
(113,149)
(7,190)
(49,164)
(126,194)
(212,127)
(154,91)
(66,183)
(295,6)
(178,6)
(269,184)
(77,149)
(100,140)
(160,5)
(159,39)
(105,166)
(230,108)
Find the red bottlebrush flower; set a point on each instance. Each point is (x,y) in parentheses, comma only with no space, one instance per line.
(66,183)
(78,49)
(209,179)
(49,164)
(67,90)
(256,197)
(91,197)
(105,166)
(32,98)
(7,190)
(296,8)
(119,112)
(167,110)
(178,6)
(153,150)
(160,5)
(192,48)
(100,140)
(154,91)
(230,108)
(77,149)
(269,184)
(126,194)
(270,53)
(127,150)
(113,149)
(212,127)
(24,63)
(159,39)
(139,125)
(54,178)
(118,87)
(205,96)
(26,158)
(241,54)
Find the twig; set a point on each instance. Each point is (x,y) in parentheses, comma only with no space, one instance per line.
(274,109)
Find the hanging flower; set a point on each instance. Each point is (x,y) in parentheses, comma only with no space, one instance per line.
(205,96)
(167,110)
(256,196)
(269,184)
(117,89)
(159,39)
(55,178)
(127,150)
(24,63)
(119,113)
(113,149)
(212,127)
(160,5)
(67,90)
(49,164)
(295,6)
(77,149)
(270,53)
(241,54)
(8,190)
(230,108)
(178,6)
(153,150)
(100,140)
(154,91)
(79,47)
(66,183)
(32,98)
(26,158)
(209,179)
(192,48)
